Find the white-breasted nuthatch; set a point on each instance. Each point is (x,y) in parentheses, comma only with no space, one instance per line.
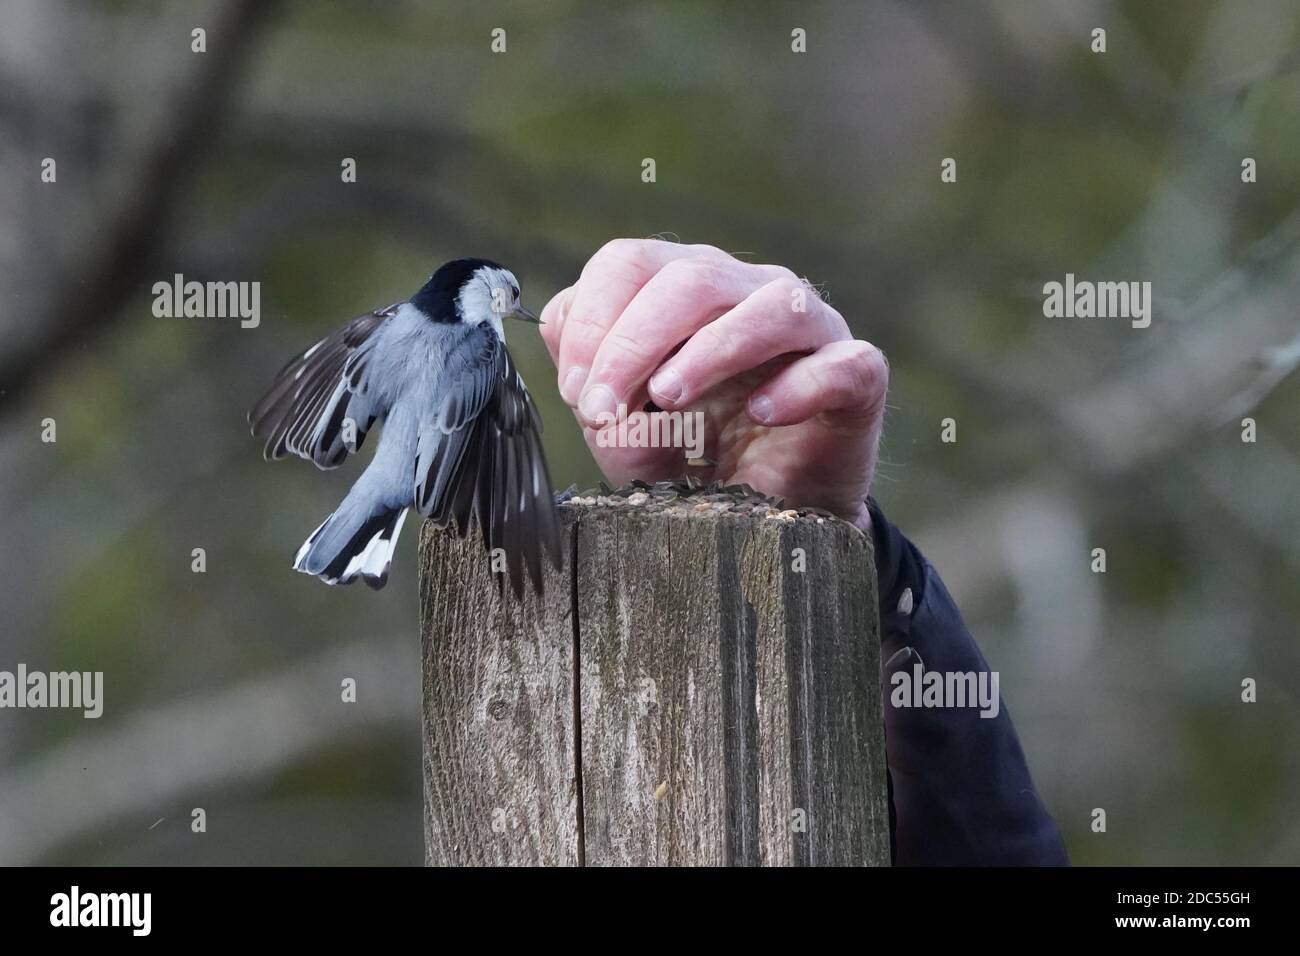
(461,436)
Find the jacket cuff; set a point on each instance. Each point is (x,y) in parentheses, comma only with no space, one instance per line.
(899,569)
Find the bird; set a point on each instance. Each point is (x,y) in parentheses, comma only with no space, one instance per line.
(460,437)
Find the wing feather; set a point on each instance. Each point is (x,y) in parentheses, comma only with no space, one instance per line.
(304,410)
(482,453)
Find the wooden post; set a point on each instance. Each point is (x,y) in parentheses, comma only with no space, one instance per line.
(725,706)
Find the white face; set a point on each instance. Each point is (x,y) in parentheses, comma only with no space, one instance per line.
(492,296)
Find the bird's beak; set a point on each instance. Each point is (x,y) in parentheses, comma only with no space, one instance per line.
(524,315)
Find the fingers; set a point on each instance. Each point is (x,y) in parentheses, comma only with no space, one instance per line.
(609,281)
(637,300)
(684,296)
(780,317)
(848,379)
(553,317)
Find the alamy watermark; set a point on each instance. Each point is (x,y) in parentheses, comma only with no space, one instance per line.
(946,689)
(657,429)
(209,300)
(1083,299)
(77,908)
(78,690)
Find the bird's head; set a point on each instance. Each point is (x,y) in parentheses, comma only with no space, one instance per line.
(472,291)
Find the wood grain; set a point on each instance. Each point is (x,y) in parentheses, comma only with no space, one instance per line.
(499,783)
(729,703)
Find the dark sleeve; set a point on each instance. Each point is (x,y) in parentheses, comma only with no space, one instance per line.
(960,793)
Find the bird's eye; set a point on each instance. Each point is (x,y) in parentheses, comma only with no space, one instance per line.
(515,290)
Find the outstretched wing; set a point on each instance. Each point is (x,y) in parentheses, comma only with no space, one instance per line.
(306,410)
(481,453)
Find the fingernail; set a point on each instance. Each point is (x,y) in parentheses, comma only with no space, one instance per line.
(666,384)
(573,382)
(760,409)
(598,406)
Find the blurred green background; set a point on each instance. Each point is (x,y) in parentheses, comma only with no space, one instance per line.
(222,688)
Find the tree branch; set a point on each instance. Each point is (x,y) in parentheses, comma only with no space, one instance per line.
(111,257)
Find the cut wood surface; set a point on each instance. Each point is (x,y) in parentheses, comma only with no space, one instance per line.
(725,706)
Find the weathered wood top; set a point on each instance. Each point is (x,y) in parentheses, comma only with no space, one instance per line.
(725,707)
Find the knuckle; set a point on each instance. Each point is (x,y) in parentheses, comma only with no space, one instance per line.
(583,330)
(826,384)
(784,274)
(864,371)
(622,253)
(762,330)
(839,327)
(706,251)
(696,274)
(711,341)
(787,284)
(624,348)
(784,294)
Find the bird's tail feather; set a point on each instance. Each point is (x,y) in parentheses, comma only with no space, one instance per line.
(356,541)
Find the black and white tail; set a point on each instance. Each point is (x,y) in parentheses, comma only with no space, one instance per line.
(356,541)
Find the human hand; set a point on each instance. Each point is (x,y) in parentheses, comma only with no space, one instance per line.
(792,404)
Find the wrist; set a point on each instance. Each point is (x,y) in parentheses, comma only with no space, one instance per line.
(861,519)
